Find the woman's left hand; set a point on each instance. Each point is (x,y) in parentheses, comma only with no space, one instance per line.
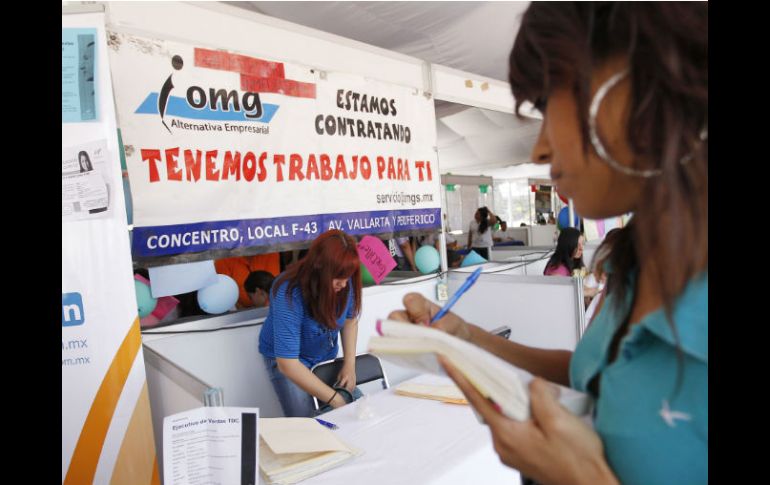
(553,446)
(347,376)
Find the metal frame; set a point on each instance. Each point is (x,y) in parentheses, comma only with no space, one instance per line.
(580,306)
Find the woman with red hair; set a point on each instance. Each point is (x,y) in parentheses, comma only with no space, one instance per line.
(312,302)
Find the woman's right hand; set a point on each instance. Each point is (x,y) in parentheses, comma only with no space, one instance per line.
(418,309)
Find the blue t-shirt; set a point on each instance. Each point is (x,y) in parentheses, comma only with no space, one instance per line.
(291,332)
(650,433)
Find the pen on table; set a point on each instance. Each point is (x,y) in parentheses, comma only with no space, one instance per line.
(465,286)
(327,424)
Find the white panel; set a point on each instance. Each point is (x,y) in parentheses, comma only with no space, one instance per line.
(527,260)
(541,310)
(228,359)
(543,235)
(166,398)
(379,301)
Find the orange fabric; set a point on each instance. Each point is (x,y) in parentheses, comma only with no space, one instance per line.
(238,268)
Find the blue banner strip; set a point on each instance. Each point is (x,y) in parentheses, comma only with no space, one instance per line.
(154,241)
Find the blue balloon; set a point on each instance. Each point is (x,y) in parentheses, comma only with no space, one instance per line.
(219,297)
(471,259)
(145,303)
(564,218)
(427,259)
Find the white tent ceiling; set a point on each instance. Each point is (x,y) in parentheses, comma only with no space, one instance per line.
(475,37)
(471,36)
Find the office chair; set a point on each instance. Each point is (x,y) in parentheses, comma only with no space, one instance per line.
(368,369)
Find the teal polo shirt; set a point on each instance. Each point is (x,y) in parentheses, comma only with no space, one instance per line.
(652,434)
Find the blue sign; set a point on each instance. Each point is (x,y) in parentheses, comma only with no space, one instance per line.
(72,310)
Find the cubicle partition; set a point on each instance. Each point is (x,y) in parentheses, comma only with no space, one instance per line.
(533,259)
(528,260)
(542,311)
(221,352)
(185,360)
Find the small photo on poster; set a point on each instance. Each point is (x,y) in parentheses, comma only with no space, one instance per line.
(85,188)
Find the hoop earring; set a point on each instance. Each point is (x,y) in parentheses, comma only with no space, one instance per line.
(593,110)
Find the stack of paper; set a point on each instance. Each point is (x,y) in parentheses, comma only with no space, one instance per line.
(448,393)
(293,449)
(416,346)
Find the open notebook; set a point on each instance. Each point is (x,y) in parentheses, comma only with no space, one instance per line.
(449,393)
(416,346)
(293,449)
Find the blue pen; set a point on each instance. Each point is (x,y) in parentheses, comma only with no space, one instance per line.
(468,283)
(327,424)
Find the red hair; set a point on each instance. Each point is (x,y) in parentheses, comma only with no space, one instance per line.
(333,255)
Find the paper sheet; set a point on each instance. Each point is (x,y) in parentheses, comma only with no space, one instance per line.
(85,191)
(176,279)
(447,393)
(211,445)
(78,75)
(298,435)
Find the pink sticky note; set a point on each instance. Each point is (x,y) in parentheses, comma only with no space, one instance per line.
(165,305)
(162,308)
(376,257)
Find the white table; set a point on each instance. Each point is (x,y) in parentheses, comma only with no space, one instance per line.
(415,441)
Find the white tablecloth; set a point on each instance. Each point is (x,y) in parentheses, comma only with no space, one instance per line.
(415,441)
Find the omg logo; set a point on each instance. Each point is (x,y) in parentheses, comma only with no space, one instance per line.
(209,104)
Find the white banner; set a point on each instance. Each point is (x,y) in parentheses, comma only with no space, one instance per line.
(227,151)
(106,422)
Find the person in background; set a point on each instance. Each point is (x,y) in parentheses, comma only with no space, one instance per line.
(568,256)
(401,250)
(257,286)
(480,232)
(311,303)
(503,225)
(432,239)
(239,268)
(623,89)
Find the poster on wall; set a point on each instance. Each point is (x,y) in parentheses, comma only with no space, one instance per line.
(228,151)
(543,199)
(85,181)
(106,424)
(78,73)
